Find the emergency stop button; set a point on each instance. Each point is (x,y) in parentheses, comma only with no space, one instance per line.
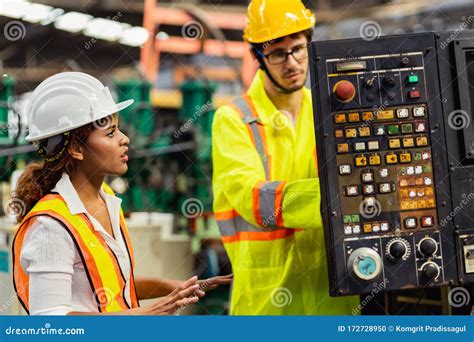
(344,91)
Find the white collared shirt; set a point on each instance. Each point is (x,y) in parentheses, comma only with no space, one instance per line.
(58,281)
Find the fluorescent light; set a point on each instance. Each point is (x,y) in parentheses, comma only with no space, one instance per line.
(105,29)
(53,16)
(135,36)
(37,13)
(13,8)
(73,22)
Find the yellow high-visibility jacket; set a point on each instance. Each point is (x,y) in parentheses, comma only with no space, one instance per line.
(267,206)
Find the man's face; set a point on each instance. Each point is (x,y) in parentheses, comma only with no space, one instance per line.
(290,74)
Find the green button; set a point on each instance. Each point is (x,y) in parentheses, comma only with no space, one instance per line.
(355,218)
(427,168)
(402,171)
(417,156)
(392,129)
(407,128)
(347,219)
(413,79)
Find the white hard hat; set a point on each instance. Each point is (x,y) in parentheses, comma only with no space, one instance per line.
(66,101)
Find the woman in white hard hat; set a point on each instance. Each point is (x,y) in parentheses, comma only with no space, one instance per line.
(72,253)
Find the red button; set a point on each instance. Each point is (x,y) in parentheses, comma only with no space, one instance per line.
(427,221)
(414,94)
(344,91)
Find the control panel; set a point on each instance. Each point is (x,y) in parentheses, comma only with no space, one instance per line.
(388,210)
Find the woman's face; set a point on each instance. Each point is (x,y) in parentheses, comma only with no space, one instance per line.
(105,152)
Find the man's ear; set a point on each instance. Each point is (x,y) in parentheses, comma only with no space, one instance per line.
(76,152)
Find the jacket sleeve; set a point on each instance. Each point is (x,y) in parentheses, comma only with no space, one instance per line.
(239,174)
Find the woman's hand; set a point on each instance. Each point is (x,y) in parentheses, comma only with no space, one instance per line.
(186,293)
(212,283)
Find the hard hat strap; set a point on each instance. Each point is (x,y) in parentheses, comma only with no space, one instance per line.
(52,153)
(259,55)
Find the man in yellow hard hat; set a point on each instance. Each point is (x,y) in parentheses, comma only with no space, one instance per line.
(265,181)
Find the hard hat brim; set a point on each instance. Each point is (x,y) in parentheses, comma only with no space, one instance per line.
(120,106)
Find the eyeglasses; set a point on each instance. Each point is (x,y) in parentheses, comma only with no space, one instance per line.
(279,56)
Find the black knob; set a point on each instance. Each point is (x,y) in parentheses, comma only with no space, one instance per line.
(428,246)
(405,61)
(389,81)
(397,249)
(430,270)
(370,97)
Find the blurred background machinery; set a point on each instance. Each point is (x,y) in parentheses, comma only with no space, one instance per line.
(179,61)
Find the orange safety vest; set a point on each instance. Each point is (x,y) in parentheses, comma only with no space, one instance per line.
(100,263)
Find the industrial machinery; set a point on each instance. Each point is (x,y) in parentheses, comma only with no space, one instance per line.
(393,117)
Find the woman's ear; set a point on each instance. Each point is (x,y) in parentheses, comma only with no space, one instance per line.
(76,152)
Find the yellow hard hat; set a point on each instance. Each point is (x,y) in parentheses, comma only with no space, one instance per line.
(272,19)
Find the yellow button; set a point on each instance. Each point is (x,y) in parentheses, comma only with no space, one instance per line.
(340,118)
(342,148)
(403,182)
(408,142)
(361,161)
(419,181)
(394,143)
(404,193)
(367,228)
(404,205)
(338,133)
(430,203)
(351,133)
(364,131)
(374,159)
(385,114)
(367,116)
(429,191)
(354,117)
(421,141)
(405,157)
(391,158)
(421,204)
(413,205)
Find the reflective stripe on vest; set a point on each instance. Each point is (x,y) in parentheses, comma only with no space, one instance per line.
(100,263)
(267,196)
(234,228)
(247,112)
